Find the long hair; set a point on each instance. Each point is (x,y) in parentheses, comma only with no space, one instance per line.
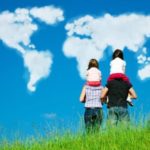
(118,53)
(93,63)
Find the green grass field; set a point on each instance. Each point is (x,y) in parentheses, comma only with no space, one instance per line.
(111,138)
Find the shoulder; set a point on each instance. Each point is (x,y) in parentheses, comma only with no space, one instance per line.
(94,69)
(94,87)
(114,61)
(118,61)
(121,61)
(113,83)
(118,83)
(98,71)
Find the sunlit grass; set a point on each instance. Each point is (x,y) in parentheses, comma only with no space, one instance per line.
(131,137)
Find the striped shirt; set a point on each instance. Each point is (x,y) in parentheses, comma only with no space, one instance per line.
(93,96)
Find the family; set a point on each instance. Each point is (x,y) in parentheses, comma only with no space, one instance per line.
(117,93)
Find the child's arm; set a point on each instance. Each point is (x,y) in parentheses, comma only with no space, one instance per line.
(129,98)
(82,96)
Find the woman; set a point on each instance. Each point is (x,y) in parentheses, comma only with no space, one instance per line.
(90,95)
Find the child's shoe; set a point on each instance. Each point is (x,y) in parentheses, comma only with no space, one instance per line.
(129,101)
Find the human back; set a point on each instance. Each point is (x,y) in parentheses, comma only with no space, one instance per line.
(118,92)
(93,94)
(117,65)
(93,73)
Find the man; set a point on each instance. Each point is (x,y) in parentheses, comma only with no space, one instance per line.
(117,91)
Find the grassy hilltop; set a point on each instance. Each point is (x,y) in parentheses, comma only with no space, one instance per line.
(117,138)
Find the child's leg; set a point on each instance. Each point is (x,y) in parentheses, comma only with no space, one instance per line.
(129,100)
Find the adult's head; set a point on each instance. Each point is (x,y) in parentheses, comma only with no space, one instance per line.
(118,53)
(93,63)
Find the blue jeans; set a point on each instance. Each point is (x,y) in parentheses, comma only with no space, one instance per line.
(117,115)
(93,118)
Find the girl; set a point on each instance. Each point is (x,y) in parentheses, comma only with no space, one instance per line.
(117,70)
(93,73)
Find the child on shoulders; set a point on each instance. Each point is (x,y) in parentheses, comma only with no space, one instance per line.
(117,70)
(93,73)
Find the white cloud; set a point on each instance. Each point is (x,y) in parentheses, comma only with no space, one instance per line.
(148,58)
(88,36)
(16,29)
(83,50)
(38,65)
(80,26)
(141,59)
(48,14)
(31,46)
(144,50)
(144,72)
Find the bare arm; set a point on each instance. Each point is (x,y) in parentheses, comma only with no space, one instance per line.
(82,96)
(104,94)
(132,93)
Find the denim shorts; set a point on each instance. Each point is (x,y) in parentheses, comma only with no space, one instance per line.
(117,115)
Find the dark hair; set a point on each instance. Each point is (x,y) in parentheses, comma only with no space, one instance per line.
(118,53)
(93,63)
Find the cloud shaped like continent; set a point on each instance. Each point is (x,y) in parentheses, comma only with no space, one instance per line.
(89,37)
(16,30)
(38,65)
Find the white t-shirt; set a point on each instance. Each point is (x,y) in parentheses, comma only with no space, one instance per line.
(93,74)
(117,65)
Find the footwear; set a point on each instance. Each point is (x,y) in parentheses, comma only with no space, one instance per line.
(130,103)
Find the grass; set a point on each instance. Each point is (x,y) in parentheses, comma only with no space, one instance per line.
(112,138)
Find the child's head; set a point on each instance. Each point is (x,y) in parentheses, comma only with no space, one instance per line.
(93,63)
(118,53)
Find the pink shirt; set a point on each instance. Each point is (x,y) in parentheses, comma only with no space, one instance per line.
(93,74)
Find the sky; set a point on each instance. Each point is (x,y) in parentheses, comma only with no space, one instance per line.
(45,47)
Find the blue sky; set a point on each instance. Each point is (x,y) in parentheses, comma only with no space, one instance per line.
(44,50)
